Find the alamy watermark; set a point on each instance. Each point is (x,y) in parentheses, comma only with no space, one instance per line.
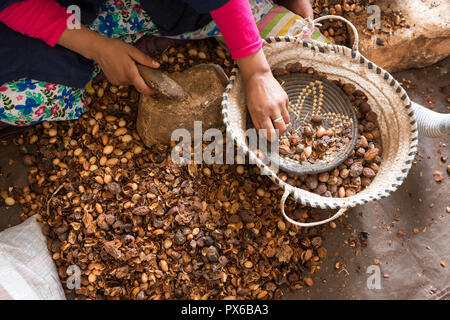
(73,22)
(374,280)
(374,20)
(220,150)
(74,280)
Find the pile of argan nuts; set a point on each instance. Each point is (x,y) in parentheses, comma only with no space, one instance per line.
(362,165)
(315,142)
(140,227)
(193,53)
(356,12)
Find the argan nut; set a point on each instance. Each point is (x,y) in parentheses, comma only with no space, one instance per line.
(308,281)
(10,201)
(163,265)
(371,154)
(108,149)
(260,192)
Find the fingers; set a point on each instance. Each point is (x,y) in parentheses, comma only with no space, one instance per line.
(284,111)
(268,130)
(264,127)
(136,79)
(279,123)
(307,9)
(139,82)
(309,13)
(142,58)
(272,129)
(280,116)
(302,8)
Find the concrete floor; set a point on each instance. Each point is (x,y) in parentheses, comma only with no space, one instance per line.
(13,173)
(409,262)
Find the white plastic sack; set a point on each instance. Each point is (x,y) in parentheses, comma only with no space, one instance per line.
(27,270)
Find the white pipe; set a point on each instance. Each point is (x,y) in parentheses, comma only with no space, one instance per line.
(430,123)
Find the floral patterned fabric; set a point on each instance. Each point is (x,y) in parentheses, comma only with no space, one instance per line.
(26,101)
(124,20)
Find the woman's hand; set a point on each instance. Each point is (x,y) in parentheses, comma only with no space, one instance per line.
(266,100)
(118,61)
(116,58)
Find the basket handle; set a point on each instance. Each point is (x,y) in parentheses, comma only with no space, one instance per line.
(355,32)
(309,224)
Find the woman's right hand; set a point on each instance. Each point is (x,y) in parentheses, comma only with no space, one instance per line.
(118,61)
(116,58)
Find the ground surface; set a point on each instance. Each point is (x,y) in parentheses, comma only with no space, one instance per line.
(407,234)
(410,264)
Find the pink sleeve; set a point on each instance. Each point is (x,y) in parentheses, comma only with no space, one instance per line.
(42,19)
(235,21)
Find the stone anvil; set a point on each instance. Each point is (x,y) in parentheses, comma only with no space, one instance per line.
(159,115)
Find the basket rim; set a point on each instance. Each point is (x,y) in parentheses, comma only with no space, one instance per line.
(301,195)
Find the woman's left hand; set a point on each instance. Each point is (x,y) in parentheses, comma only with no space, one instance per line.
(266,100)
(267,103)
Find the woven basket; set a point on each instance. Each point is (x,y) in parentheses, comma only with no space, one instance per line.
(385,95)
(311,95)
